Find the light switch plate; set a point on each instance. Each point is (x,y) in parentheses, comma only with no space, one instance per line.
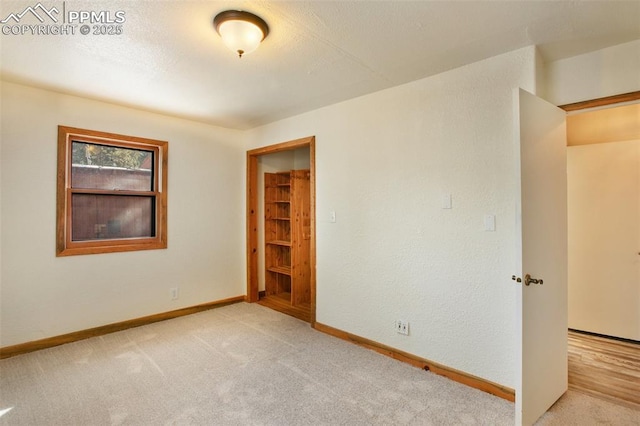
(332,216)
(489,222)
(446,201)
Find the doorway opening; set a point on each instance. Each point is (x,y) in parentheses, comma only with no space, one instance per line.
(603,136)
(278,163)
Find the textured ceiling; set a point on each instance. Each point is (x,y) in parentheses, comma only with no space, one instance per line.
(169,58)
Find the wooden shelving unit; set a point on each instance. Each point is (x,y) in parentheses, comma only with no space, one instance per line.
(287,236)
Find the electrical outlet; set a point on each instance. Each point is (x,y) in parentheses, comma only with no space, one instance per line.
(402,327)
(175,293)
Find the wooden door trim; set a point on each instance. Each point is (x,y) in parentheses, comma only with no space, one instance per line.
(608,100)
(252,214)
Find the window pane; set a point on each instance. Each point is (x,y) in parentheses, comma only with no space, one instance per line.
(109,167)
(106,217)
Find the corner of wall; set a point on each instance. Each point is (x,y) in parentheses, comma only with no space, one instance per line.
(205,256)
(540,76)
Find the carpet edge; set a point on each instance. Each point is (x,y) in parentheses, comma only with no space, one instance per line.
(422,363)
(49,342)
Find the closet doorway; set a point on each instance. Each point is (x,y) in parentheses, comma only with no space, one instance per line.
(275,163)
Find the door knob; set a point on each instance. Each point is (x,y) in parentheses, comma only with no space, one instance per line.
(528,280)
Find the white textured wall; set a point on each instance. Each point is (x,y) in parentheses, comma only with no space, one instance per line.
(302,158)
(44,296)
(593,75)
(383,163)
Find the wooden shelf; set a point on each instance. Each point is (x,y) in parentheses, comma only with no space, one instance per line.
(286,270)
(282,303)
(287,222)
(280,243)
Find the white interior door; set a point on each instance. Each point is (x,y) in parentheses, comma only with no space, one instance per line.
(542,253)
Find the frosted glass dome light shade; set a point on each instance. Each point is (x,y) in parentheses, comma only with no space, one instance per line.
(240,31)
(240,36)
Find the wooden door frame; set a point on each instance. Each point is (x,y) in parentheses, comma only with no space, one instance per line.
(606,101)
(252,214)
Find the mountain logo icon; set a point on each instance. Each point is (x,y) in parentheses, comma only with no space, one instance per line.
(39,11)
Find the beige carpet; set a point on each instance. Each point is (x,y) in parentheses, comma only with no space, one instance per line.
(248,365)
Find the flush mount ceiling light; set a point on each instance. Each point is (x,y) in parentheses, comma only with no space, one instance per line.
(241,31)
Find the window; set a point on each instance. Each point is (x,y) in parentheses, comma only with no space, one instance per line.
(112,193)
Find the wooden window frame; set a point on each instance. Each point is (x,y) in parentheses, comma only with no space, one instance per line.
(64,244)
